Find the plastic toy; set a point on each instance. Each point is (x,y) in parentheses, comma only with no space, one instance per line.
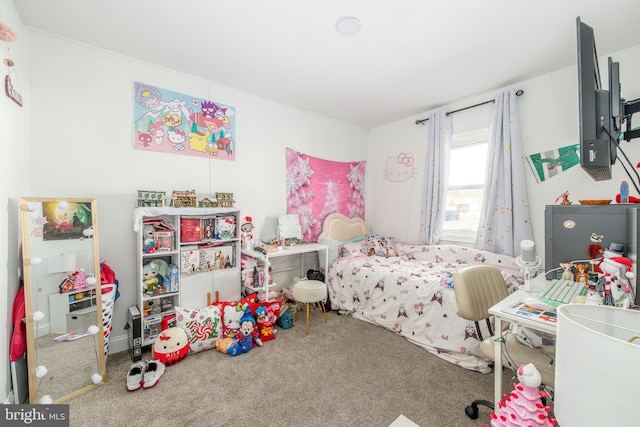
(523,407)
(247,336)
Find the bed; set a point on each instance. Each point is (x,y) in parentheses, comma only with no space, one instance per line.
(406,288)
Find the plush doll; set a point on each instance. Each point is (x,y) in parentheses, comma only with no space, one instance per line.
(231,319)
(246,230)
(566,274)
(247,336)
(148,242)
(223,344)
(582,275)
(171,346)
(150,278)
(266,319)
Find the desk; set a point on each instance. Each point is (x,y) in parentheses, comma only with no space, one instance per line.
(287,251)
(496,310)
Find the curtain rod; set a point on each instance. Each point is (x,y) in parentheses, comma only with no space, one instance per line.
(520,92)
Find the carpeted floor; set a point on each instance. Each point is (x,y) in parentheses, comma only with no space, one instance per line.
(345,373)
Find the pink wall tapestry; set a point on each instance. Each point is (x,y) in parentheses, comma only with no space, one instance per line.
(318,187)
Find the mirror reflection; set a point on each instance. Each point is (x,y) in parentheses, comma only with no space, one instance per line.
(65,343)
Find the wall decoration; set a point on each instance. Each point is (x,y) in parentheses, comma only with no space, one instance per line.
(65,220)
(548,164)
(399,168)
(318,187)
(171,122)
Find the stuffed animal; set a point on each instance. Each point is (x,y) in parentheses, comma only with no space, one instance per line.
(266,319)
(171,346)
(246,230)
(148,242)
(231,317)
(247,336)
(150,282)
(223,344)
(582,275)
(155,275)
(566,274)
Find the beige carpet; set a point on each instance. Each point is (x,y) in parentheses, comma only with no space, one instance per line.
(345,373)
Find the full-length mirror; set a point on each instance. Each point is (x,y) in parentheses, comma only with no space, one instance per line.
(65,342)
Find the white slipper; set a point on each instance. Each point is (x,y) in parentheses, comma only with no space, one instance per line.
(135,376)
(152,375)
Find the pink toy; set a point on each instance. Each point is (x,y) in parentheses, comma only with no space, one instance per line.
(523,407)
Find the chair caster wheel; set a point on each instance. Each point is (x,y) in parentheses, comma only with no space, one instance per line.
(472,412)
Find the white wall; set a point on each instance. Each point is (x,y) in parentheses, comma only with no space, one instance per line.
(548,113)
(14,181)
(81,146)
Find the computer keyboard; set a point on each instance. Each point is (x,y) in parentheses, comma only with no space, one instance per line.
(561,291)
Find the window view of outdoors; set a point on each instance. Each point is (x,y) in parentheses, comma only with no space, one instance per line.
(466,189)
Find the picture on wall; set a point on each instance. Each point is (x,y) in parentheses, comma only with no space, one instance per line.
(65,220)
(171,122)
(548,164)
(317,188)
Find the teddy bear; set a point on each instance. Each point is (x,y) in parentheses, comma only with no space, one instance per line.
(247,336)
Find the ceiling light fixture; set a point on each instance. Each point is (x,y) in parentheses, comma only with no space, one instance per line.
(348,26)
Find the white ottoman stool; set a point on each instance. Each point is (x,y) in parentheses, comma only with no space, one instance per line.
(310,292)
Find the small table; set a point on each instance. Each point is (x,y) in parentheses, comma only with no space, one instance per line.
(517,296)
(287,251)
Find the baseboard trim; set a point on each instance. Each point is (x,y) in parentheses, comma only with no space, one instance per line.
(118,344)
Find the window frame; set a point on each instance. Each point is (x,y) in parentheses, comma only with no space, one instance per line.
(463,139)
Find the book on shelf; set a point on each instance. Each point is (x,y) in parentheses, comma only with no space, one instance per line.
(159,224)
(533,313)
(189,260)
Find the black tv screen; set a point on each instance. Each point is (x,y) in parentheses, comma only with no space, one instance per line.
(597,131)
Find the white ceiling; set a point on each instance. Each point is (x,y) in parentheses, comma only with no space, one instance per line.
(411,56)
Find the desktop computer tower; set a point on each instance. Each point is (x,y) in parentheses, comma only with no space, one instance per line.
(134,327)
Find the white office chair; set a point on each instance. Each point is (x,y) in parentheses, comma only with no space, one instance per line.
(477,289)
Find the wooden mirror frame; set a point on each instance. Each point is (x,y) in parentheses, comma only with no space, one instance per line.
(28,228)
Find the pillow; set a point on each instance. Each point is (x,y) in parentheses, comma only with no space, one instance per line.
(232,312)
(202,325)
(381,246)
(334,248)
(356,248)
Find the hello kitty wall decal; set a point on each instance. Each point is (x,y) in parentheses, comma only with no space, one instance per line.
(399,168)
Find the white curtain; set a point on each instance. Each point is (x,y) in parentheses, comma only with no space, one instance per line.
(436,176)
(505,219)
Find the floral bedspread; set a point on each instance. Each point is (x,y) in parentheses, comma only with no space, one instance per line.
(412,295)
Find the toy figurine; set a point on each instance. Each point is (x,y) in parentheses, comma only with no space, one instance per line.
(582,275)
(564,198)
(246,230)
(150,278)
(566,274)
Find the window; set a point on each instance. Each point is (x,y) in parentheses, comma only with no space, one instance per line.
(466,186)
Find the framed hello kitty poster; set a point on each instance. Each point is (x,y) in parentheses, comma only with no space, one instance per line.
(172,122)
